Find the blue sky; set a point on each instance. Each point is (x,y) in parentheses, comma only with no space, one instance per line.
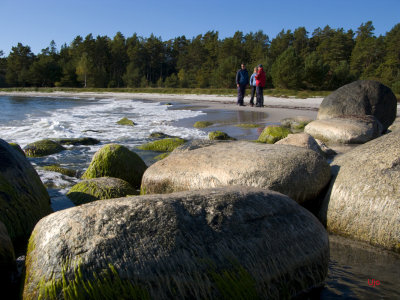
(36,22)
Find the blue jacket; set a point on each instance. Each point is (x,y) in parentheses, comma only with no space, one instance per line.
(253,79)
(242,77)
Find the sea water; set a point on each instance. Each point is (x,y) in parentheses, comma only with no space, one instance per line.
(354,268)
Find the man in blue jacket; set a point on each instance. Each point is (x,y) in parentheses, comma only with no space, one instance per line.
(242,80)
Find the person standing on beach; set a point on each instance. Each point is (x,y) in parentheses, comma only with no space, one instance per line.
(260,84)
(253,86)
(242,80)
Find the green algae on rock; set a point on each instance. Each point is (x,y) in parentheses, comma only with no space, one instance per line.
(247,125)
(117,161)
(23,197)
(220,136)
(202,124)
(42,148)
(272,134)
(61,170)
(126,121)
(160,135)
(162,156)
(164,145)
(99,189)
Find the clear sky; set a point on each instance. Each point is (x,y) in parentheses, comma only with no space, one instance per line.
(36,22)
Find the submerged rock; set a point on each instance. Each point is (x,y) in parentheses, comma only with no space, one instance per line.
(224,243)
(296,124)
(93,189)
(363,201)
(202,124)
(299,173)
(346,130)
(43,148)
(361,98)
(272,134)
(86,141)
(164,145)
(61,170)
(117,161)
(23,197)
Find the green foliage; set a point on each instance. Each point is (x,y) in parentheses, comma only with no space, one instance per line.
(202,124)
(287,71)
(206,61)
(164,145)
(220,136)
(272,134)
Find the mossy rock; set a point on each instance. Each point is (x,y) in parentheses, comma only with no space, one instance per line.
(126,121)
(248,125)
(220,136)
(160,135)
(17,147)
(87,141)
(164,145)
(7,259)
(99,189)
(296,124)
(43,148)
(116,161)
(162,156)
(272,134)
(58,169)
(202,124)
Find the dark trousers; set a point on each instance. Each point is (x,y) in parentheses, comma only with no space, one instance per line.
(253,91)
(260,96)
(241,90)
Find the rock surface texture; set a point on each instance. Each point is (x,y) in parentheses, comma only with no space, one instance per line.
(99,189)
(223,243)
(299,173)
(42,148)
(361,98)
(23,197)
(7,257)
(116,161)
(303,140)
(345,130)
(363,201)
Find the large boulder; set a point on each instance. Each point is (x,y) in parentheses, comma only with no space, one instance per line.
(299,173)
(361,98)
(23,197)
(224,243)
(42,148)
(7,257)
(99,189)
(345,130)
(363,201)
(117,161)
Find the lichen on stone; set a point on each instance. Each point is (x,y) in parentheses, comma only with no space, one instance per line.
(61,170)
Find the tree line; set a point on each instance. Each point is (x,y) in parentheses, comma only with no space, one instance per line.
(324,60)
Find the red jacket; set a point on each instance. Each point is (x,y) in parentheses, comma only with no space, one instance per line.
(260,77)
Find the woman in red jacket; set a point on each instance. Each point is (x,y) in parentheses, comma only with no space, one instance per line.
(260,84)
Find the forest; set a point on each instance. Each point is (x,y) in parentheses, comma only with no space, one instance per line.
(323,60)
